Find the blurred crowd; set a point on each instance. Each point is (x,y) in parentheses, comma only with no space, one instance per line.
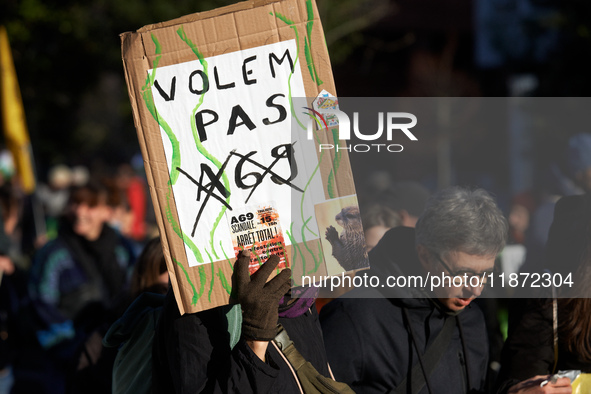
(69,268)
(86,304)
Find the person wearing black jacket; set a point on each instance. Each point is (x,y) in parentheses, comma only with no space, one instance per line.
(200,353)
(78,288)
(381,340)
(529,355)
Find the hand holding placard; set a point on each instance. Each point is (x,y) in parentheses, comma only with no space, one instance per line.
(259,300)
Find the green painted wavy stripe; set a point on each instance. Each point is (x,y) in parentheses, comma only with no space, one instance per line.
(316,261)
(318,81)
(306,50)
(175,162)
(338,154)
(212,276)
(195,294)
(314,76)
(295,245)
(202,280)
(198,144)
(330,185)
(193,248)
(224,282)
(226,256)
(283,18)
(177,229)
(309,61)
(309,25)
(187,240)
(320,256)
(149,101)
(304,193)
(336,162)
(292,25)
(202,276)
(310,12)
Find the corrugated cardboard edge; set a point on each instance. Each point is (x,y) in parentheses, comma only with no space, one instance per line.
(229,9)
(134,47)
(128,44)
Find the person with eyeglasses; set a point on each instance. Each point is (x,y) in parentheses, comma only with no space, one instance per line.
(421,335)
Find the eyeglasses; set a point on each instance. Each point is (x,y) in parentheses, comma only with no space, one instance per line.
(464,278)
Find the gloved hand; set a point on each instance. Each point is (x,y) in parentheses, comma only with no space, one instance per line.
(259,300)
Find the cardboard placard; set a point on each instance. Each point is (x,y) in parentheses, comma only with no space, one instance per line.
(214,103)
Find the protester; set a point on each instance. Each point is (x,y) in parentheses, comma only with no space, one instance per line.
(385,338)
(520,211)
(579,160)
(522,206)
(495,306)
(149,273)
(373,185)
(202,353)
(13,290)
(54,196)
(80,176)
(133,333)
(407,198)
(529,355)
(133,191)
(376,220)
(8,296)
(78,287)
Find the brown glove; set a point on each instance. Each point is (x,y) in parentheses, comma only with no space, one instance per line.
(259,300)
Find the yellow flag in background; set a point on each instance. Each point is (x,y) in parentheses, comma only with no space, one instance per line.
(13,117)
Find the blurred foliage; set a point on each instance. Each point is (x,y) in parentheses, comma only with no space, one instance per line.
(68,60)
(344,21)
(567,71)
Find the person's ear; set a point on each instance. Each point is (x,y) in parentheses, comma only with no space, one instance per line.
(424,257)
(408,220)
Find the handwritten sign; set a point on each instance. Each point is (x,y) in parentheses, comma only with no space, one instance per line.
(221,102)
(232,119)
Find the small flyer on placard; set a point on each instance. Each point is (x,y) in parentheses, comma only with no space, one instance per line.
(258,228)
(324,101)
